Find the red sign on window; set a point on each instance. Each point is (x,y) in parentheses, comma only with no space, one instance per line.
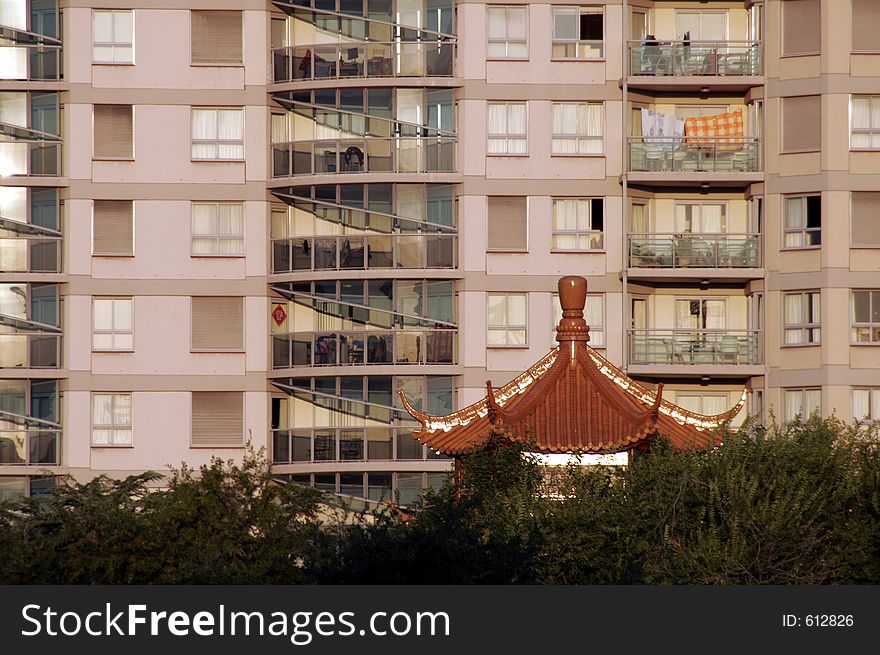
(279,315)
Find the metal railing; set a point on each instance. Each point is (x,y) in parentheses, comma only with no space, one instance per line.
(30,254)
(679,58)
(298,446)
(691,250)
(694,347)
(359,348)
(368,155)
(363,59)
(30,351)
(30,62)
(37,158)
(30,447)
(364,251)
(694,154)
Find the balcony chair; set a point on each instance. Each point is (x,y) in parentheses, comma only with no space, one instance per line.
(729,350)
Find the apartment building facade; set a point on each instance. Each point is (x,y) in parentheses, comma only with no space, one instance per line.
(256,222)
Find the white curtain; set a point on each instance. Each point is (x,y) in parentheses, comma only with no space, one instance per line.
(683,318)
(594,313)
(714,404)
(516,127)
(793,316)
(497,128)
(712,219)
(861,404)
(714,319)
(690,402)
(595,122)
(812,402)
(865,116)
(794,404)
(204,127)
(565,121)
(639,218)
(230,127)
(794,218)
(280,128)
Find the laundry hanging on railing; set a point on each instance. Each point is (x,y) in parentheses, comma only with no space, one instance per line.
(662,127)
(719,129)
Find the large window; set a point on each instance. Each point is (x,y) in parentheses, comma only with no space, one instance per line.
(508,319)
(864,123)
(803,221)
(111,419)
(578,224)
(578,128)
(112,324)
(578,33)
(865,317)
(866,405)
(802,403)
(802,317)
(113,36)
(218,229)
(217,133)
(700,313)
(508,32)
(508,128)
(707,404)
(594,315)
(801,27)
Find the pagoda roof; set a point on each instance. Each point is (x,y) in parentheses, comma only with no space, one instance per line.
(572,400)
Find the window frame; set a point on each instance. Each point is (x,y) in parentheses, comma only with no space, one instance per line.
(804,230)
(507,40)
(578,233)
(112,331)
(578,137)
(803,327)
(803,391)
(216,142)
(872,130)
(112,427)
(872,327)
(507,136)
(216,237)
(114,44)
(578,10)
(594,328)
(506,328)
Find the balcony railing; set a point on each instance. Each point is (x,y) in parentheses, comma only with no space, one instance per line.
(359,348)
(30,350)
(694,250)
(29,447)
(347,444)
(676,58)
(37,158)
(694,347)
(30,62)
(359,252)
(697,154)
(372,59)
(26,254)
(369,155)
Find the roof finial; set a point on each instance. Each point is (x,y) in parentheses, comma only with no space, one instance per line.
(572,298)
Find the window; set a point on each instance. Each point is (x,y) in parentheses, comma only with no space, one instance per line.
(707,404)
(803,221)
(802,403)
(112,228)
(578,223)
(112,324)
(594,315)
(700,314)
(217,134)
(216,37)
(700,218)
(801,124)
(865,213)
(864,122)
(508,29)
(507,223)
(217,323)
(578,33)
(217,418)
(801,27)
(113,132)
(508,131)
(865,405)
(113,35)
(865,317)
(578,128)
(802,317)
(507,319)
(111,419)
(218,229)
(865,26)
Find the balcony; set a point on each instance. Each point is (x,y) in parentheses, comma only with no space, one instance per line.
(367,155)
(30,351)
(30,62)
(682,257)
(355,60)
(350,444)
(30,447)
(696,161)
(688,352)
(365,348)
(671,66)
(26,157)
(29,254)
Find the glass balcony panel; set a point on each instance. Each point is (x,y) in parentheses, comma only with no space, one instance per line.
(281,352)
(281,447)
(694,154)
(325,254)
(29,447)
(694,251)
(410,251)
(380,252)
(680,58)
(693,347)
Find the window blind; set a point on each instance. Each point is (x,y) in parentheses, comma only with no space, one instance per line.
(801,123)
(508,224)
(112,228)
(113,133)
(801,33)
(217,323)
(865,211)
(217,418)
(865,26)
(216,37)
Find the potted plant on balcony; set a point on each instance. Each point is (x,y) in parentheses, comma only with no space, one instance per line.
(684,251)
